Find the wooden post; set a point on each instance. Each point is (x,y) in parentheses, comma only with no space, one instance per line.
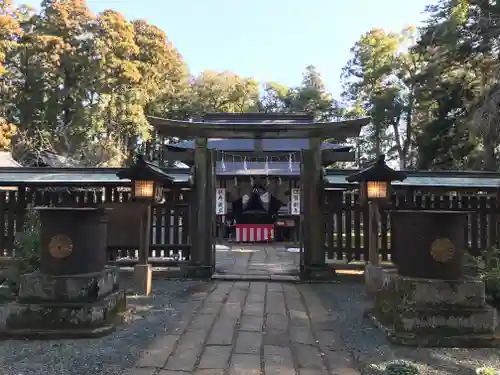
(305,208)
(145,234)
(316,230)
(202,203)
(209,259)
(200,162)
(143,273)
(313,221)
(373,214)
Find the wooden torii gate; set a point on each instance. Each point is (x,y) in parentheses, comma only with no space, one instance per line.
(285,126)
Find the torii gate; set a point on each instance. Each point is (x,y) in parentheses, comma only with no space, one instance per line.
(260,126)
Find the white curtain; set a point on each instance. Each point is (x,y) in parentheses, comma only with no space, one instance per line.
(244,200)
(264,198)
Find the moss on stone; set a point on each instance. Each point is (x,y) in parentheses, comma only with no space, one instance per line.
(64,316)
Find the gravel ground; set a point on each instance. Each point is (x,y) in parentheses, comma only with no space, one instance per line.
(346,303)
(113,354)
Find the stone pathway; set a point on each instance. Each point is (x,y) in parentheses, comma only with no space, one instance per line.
(251,328)
(256,261)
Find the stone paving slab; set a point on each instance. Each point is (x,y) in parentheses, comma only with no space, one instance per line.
(256,262)
(251,328)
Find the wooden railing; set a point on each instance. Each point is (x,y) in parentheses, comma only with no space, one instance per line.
(169,222)
(345,220)
(346,231)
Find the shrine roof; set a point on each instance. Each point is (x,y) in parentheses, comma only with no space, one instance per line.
(264,125)
(257,118)
(245,144)
(453,180)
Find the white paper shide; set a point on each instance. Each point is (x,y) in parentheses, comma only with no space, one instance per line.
(220,201)
(295,202)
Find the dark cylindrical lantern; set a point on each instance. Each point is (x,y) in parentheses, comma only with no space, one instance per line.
(73,240)
(429,244)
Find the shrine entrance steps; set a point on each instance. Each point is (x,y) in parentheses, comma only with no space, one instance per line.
(257,262)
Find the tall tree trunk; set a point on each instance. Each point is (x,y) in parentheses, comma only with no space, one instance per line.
(490,163)
(377,140)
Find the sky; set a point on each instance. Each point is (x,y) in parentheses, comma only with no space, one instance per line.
(269,40)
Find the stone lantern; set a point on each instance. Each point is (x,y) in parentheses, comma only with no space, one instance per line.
(147,180)
(375,188)
(147,187)
(375,181)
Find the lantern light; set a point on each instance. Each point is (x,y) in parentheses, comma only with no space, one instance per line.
(375,181)
(377,189)
(147,180)
(143,189)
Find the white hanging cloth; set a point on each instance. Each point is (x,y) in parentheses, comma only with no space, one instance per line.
(265,198)
(223,164)
(244,200)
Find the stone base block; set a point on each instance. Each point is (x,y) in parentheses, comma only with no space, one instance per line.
(62,319)
(373,278)
(198,272)
(431,312)
(38,287)
(143,277)
(317,272)
(437,338)
(423,292)
(463,320)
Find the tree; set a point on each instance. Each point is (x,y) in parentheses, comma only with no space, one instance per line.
(369,83)
(81,84)
(312,97)
(222,92)
(275,98)
(7,131)
(458,42)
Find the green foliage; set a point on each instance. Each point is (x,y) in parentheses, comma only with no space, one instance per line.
(27,246)
(401,368)
(487,371)
(380,79)
(486,267)
(82,85)
(491,272)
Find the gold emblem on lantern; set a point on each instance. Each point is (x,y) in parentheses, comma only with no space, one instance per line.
(60,246)
(442,250)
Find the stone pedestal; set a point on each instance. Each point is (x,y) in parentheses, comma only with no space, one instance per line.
(373,278)
(64,306)
(74,294)
(143,275)
(432,312)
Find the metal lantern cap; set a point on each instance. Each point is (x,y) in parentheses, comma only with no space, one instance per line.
(142,170)
(378,171)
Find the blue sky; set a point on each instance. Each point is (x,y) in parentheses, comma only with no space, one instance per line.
(270,40)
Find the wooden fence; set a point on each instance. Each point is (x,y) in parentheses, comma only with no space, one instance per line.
(345,220)
(170,243)
(169,220)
